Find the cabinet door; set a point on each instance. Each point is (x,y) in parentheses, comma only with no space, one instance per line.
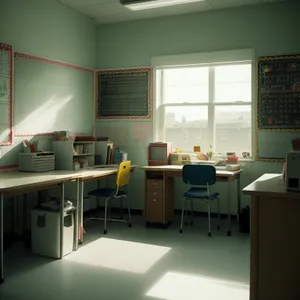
(154,209)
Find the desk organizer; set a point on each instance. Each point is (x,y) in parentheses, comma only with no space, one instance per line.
(36,162)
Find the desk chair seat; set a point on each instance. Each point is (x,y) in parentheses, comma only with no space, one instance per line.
(199,177)
(199,193)
(120,192)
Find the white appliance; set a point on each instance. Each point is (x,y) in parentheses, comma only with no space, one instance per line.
(293,171)
(45,232)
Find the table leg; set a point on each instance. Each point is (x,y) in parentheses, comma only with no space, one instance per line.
(1,238)
(238,198)
(229,207)
(80,213)
(62,225)
(76,214)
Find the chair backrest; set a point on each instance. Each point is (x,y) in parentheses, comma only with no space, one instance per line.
(199,174)
(123,174)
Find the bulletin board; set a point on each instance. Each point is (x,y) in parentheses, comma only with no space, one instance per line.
(124,94)
(6,90)
(52,95)
(278,105)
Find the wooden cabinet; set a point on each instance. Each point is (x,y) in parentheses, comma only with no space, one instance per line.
(275,246)
(159,202)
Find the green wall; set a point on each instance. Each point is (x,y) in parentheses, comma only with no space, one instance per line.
(49,29)
(270,29)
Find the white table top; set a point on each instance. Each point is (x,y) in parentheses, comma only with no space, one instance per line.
(174,168)
(269,184)
(11,180)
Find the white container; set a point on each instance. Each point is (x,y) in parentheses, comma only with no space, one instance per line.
(45,232)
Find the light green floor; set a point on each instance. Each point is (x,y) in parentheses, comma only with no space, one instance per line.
(136,263)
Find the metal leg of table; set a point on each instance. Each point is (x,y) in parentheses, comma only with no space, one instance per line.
(80,213)
(62,212)
(1,238)
(229,208)
(76,214)
(238,184)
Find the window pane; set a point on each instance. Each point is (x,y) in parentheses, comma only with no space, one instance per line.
(233,83)
(187,126)
(233,129)
(185,85)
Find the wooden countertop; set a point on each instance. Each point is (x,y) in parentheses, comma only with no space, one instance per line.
(269,185)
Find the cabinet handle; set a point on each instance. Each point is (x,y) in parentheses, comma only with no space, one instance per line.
(154,193)
(154,200)
(154,183)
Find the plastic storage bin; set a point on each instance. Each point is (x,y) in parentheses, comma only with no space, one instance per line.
(45,232)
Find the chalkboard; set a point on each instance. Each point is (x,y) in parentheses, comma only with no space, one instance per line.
(5,95)
(279,93)
(124,94)
(51,96)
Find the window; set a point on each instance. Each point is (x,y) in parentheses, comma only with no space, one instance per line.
(205,105)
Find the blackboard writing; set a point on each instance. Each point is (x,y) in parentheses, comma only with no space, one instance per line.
(279,93)
(124,94)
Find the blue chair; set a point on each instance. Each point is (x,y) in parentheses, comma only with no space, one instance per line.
(199,177)
(120,192)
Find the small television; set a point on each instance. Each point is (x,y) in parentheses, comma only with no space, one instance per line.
(159,154)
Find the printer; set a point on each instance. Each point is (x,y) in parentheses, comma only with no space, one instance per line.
(293,171)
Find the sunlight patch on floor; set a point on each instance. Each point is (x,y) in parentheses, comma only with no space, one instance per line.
(179,286)
(119,255)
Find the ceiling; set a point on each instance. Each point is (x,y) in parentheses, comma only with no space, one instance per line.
(111,11)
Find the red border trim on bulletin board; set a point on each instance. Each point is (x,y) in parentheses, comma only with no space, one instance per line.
(4,47)
(150,96)
(49,61)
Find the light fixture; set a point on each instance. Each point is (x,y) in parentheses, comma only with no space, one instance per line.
(149,4)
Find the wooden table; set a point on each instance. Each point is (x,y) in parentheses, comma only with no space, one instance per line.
(159,180)
(275,244)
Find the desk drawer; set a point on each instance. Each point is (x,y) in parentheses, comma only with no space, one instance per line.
(154,210)
(154,184)
(154,194)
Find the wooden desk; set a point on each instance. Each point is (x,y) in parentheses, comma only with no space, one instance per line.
(159,194)
(275,245)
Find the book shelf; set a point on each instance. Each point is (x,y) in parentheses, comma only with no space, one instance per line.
(68,152)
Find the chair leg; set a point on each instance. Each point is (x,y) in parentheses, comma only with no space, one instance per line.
(121,207)
(186,212)
(208,210)
(218,202)
(129,214)
(192,212)
(105,215)
(109,215)
(182,214)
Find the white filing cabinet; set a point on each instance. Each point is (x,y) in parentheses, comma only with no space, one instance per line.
(45,232)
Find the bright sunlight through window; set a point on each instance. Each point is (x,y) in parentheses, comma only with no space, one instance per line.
(179,286)
(206,105)
(119,255)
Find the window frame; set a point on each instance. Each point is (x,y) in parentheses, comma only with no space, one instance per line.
(159,108)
